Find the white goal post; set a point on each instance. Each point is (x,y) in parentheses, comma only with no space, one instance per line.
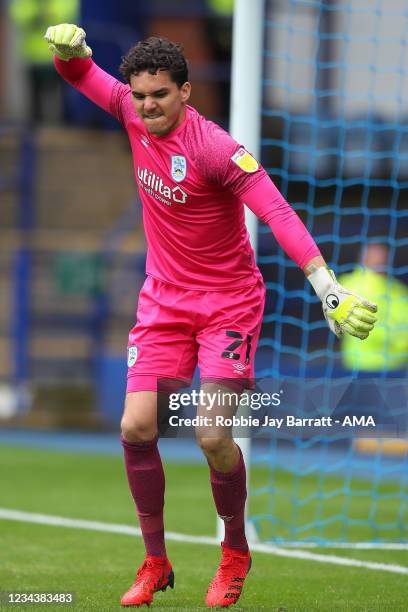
(245,116)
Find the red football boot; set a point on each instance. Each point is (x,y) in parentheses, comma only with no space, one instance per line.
(227,584)
(154,575)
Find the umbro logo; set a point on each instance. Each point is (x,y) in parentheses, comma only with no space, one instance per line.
(226,518)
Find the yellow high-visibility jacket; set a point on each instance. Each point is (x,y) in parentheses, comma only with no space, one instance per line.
(33,17)
(386,348)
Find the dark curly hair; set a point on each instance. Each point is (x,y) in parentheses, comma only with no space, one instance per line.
(154,54)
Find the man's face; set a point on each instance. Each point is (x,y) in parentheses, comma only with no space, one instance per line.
(158,101)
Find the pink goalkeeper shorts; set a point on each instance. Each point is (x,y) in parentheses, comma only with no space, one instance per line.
(178,329)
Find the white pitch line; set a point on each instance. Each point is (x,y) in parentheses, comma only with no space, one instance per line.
(59,521)
(349,545)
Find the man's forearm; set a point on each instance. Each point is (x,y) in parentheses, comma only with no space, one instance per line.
(265,200)
(73,70)
(73,62)
(94,83)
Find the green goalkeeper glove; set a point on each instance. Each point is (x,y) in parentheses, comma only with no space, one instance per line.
(343,311)
(66,41)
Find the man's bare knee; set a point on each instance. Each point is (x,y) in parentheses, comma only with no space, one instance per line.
(214,445)
(134,431)
(222,452)
(139,421)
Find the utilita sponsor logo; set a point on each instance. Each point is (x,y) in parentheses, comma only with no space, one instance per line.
(154,186)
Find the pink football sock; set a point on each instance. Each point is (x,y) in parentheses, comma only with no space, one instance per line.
(146,481)
(229,492)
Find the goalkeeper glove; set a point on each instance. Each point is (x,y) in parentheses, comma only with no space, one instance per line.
(343,311)
(66,41)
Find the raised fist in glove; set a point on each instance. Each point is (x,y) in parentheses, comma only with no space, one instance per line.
(66,41)
(344,312)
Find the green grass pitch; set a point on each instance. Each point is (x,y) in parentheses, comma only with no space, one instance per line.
(99,567)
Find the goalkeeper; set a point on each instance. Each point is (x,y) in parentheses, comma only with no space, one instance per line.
(203,299)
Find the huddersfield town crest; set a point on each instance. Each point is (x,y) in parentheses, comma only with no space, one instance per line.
(132,356)
(178,168)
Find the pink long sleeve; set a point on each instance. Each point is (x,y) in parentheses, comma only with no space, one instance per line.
(97,85)
(265,200)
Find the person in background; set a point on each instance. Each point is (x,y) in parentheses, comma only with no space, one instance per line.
(380,363)
(386,348)
(31,18)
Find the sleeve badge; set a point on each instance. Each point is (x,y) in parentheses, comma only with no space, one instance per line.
(245,161)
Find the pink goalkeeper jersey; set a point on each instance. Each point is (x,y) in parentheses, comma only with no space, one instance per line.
(192,184)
